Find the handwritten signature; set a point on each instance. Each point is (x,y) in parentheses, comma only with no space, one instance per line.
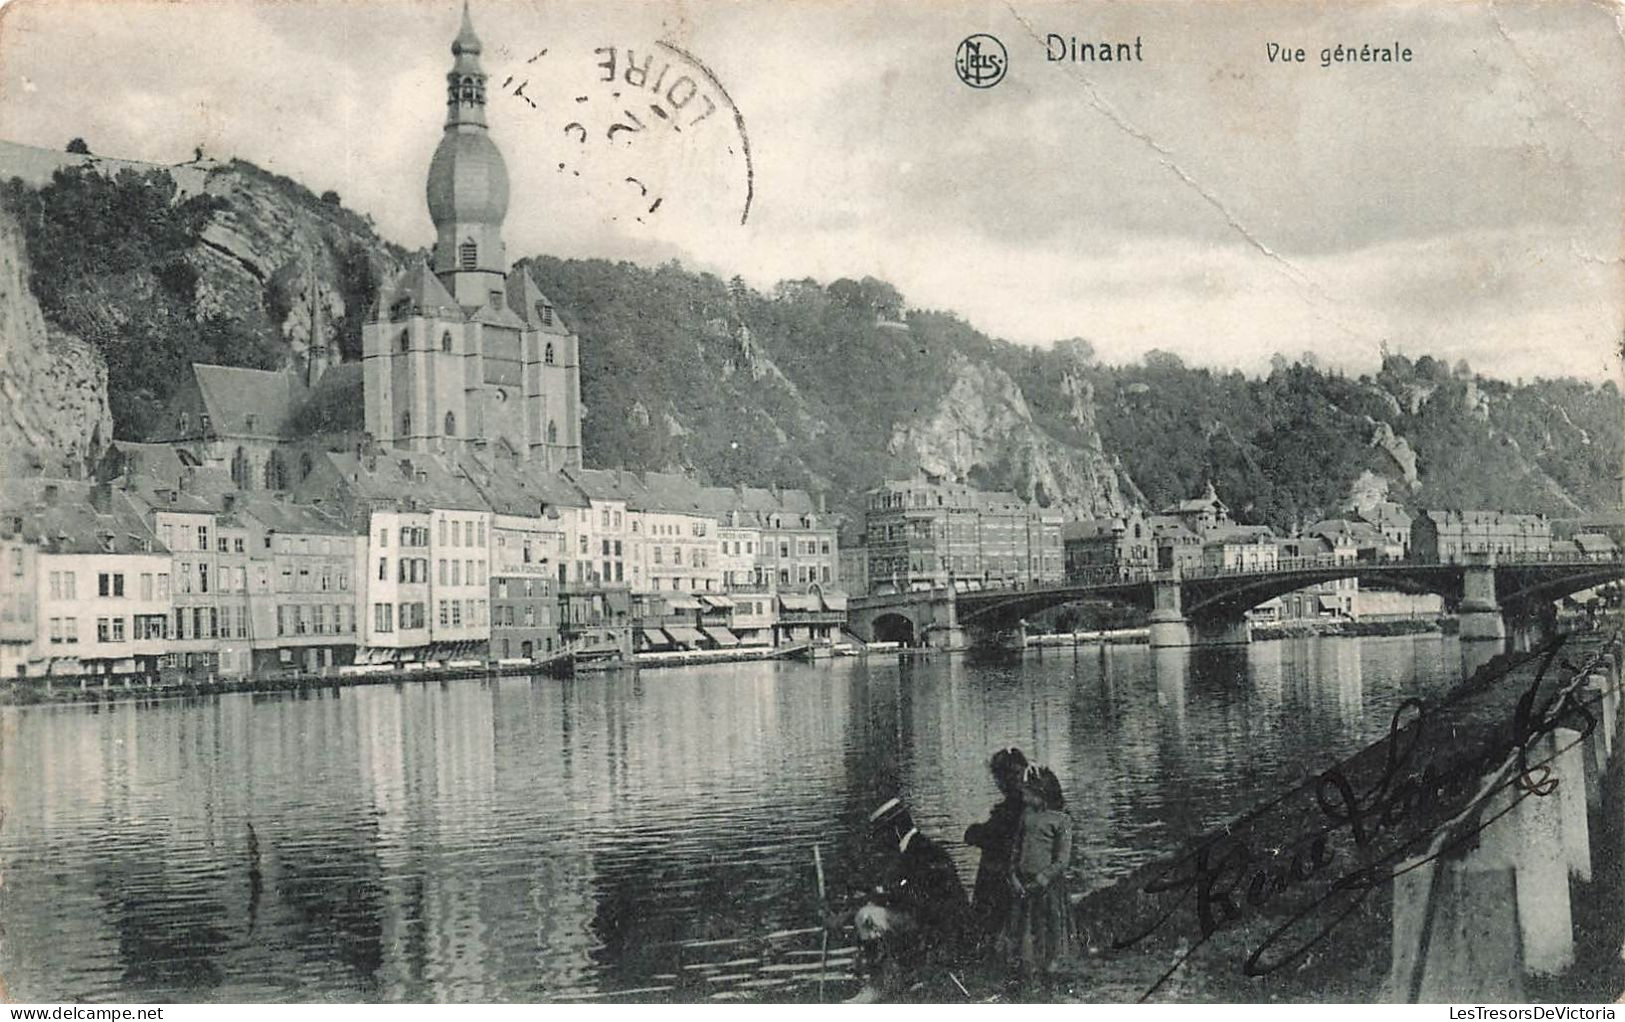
(1418,809)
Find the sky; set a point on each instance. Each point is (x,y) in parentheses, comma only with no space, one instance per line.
(1205,201)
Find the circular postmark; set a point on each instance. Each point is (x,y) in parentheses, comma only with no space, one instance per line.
(643,123)
(981,61)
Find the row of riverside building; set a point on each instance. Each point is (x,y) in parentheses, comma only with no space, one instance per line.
(926,533)
(161,564)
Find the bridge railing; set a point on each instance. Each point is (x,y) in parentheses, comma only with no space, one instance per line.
(1106,576)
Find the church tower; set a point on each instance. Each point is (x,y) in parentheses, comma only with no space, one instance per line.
(462,350)
(468,183)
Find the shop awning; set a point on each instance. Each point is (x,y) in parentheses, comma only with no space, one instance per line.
(689,637)
(1329,603)
(797,601)
(719,602)
(835,601)
(720,635)
(656,637)
(682,603)
(760,637)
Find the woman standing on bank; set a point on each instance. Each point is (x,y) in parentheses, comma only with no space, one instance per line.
(992,896)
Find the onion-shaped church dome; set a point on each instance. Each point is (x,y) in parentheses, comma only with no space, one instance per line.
(468,180)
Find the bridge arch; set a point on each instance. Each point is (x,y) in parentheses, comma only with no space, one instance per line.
(1554,586)
(894,627)
(1228,595)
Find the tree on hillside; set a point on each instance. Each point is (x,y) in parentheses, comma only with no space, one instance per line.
(77,145)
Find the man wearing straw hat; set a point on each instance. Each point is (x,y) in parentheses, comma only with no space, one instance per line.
(917,920)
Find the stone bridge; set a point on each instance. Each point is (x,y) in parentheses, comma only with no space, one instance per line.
(1514,596)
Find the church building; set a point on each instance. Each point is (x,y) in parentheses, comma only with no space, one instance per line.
(466,352)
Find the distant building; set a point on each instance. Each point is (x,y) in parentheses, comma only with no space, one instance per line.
(1392,520)
(1231,547)
(1364,540)
(102,595)
(1178,548)
(1448,536)
(19,585)
(1125,542)
(854,563)
(299,572)
(921,532)
(1199,514)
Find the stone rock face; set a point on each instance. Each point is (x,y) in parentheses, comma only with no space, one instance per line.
(984,424)
(264,253)
(1399,452)
(53,386)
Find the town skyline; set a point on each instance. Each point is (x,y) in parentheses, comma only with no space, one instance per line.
(1204,247)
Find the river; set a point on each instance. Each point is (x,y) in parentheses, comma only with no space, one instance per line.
(530,839)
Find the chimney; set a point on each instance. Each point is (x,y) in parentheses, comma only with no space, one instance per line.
(101,498)
(228,503)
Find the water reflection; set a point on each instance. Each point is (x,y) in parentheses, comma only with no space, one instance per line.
(524,839)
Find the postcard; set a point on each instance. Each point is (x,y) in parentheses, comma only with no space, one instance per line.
(686,503)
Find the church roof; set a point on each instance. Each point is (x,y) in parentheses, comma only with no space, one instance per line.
(248,402)
(468,178)
(496,315)
(423,293)
(527,301)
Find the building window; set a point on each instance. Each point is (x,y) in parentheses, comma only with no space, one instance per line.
(445,341)
(547,353)
(546,312)
(552,432)
(451,424)
(406,340)
(468,255)
(406,424)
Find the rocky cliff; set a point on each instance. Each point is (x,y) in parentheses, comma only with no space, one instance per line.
(834,387)
(53,386)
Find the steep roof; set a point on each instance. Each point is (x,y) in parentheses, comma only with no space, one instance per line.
(1360,533)
(610,484)
(288,517)
(1232,533)
(60,516)
(422,292)
(527,302)
(677,494)
(1091,528)
(405,478)
(1167,526)
(1595,543)
(248,402)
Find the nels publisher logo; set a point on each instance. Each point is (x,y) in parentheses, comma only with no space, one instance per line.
(981,61)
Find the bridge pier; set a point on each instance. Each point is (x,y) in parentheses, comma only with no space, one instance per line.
(1479,613)
(1170,628)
